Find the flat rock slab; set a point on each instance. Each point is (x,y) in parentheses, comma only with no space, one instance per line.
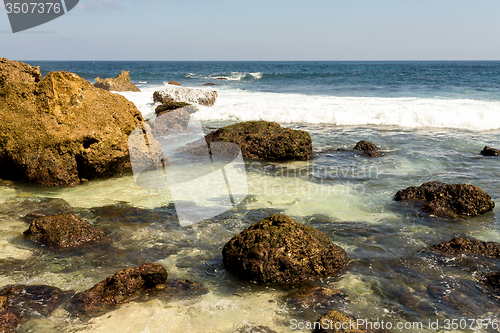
(174,93)
(277,249)
(451,201)
(63,231)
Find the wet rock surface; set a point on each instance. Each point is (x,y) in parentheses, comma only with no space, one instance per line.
(43,138)
(174,83)
(63,231)
(119,83)
(367,149)
(19,303)
(450,201)
(263,140)
(313,296)
(277,249)
(487,151)
(169,106)
(459,245)
(120,288)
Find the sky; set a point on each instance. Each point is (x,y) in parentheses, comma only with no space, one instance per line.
(262,30)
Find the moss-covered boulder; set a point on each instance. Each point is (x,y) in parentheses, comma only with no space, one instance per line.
(451,201)
(336,322)
(61,130)
(487,151)
(368,148)
(265,140)
(119,83)
(277,249)
(63,231)
(120,288)
(459,246)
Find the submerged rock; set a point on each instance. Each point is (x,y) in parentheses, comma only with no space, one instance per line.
(277,249)
(487,151)
(493,280)
(61,130)
(120,288)
(187,95)
(209,84)
(63,231)
(452,201)
(336,322)
(119,83)
(19,303)
(249,328)
(264,140)
(313,296)
(459,245)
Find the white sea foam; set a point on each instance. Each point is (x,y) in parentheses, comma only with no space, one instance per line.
(239,105)
(234,76)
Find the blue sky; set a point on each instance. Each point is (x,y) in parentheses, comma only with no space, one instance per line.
(263,30)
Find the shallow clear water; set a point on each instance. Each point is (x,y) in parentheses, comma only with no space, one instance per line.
(347,196)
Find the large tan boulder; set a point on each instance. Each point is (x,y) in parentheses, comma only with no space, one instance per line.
(119,83)
(60,130)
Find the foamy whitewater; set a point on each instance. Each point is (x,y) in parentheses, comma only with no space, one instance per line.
(430,119)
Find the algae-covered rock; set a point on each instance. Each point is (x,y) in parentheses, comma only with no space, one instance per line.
(277,249)
(169,106)
(458,246)
(120,288)
(61,130)
(265,140)
(452,201)
(119,83)
(63,231)
(487,151)
(309,296)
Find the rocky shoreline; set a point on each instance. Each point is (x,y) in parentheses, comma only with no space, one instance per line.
(274,250)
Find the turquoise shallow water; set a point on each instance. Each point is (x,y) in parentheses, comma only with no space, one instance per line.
(347,196)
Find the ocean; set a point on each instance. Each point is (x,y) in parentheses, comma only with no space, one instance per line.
(431,120)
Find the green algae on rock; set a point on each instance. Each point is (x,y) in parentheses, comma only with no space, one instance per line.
(277,249)
(63,231)
(460,245)
(451,201)
(265,140)
(120,288)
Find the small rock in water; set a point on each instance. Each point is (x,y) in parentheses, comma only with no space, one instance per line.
(277,249)
(120,288)
(63,231)
(187,95)
(368,148)
(119,83)
(174,83)
(169,106)
(458,246)
(487,151)
(451,201)
(210,84)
